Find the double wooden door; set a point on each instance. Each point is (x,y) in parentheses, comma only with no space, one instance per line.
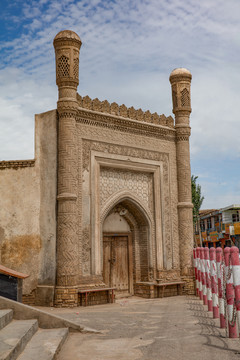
(117,264)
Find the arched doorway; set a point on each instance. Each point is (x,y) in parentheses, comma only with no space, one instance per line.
(126,244)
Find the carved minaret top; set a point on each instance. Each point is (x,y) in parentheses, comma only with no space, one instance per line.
(180,80)
(67,46)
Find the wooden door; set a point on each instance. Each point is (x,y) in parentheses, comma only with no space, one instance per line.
(107,246)
(116,262)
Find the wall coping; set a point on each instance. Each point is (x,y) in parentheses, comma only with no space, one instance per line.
(121,110)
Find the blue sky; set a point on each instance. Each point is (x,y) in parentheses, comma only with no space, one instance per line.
(129,49)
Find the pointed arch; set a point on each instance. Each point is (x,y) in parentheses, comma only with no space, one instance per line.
(140,219)
(121,196)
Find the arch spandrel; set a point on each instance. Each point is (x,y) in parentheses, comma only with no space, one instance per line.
(124,196)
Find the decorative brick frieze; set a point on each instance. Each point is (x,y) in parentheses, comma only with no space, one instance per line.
(135,127)
(122,111)
(16,164)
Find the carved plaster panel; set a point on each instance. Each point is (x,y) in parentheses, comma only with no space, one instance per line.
(114,180)
(114,137)
(143,147)
(88,146)
(119,150)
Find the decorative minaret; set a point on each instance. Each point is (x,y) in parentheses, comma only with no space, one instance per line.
(67,46)
(181,82)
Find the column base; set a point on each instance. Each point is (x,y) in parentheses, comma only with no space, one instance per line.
(189,286)
(66,296)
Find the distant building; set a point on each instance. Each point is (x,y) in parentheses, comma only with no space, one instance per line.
(219,227)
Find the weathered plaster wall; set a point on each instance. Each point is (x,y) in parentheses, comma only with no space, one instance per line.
(115,223)
(27,209)
(46,164)
(20,240)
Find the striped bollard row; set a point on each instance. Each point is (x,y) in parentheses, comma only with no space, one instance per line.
(217,274)
(200,289)
(203,276)
(230,295)
(208,279)
(195,264)
(220,270)
(234,253)
(213,280)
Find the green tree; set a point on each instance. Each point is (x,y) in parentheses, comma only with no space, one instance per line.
(197,198)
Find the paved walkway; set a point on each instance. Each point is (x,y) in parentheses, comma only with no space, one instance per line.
(135,328)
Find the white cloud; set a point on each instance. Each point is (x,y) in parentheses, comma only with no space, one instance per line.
(129,49)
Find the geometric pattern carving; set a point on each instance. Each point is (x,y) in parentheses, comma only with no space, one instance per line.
(67,245)
(114,180)
(63,66)
(89,145)
(155,118)
(86,249)
(148,116)
(67,165)
(87,102)
(15,164)
(184,173)
(76,68)
(124,125)
(174,99)
(187,236)
(68,256)
(123,111)
(185,97)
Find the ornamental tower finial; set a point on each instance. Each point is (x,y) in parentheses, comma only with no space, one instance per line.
(180,80)
(67,46)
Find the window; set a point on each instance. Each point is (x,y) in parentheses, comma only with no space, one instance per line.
(209,225)
(235,217)
(202,225)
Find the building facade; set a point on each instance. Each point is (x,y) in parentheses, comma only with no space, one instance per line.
(219,227)
(107,199)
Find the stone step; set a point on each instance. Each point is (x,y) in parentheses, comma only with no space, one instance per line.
(45,344)
(15,336)
(5,317)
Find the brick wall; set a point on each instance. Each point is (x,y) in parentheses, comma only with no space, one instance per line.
(189,286)
(29,299)
(144,290)
(94,298)
(66,297)
(170,290)
(143,246)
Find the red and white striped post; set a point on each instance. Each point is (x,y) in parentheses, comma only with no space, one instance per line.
(199,273)
(213,271)
(220,269)
(234,252)
(195,269)
(232,326)
(203,276)
(208,279)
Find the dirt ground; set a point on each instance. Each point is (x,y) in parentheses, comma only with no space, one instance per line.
(146,329)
